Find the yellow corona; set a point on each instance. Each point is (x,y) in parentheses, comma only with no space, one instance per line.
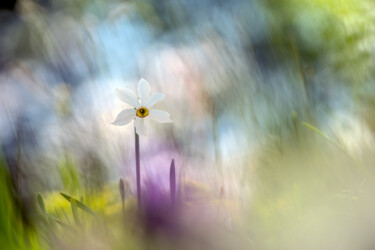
(142,112)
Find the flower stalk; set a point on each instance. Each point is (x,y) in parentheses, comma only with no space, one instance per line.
(138,169)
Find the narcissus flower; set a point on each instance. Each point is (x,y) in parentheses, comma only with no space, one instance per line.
(142,105)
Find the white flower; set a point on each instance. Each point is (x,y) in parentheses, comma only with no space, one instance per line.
(141,107)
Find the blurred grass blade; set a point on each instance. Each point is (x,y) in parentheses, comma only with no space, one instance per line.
(316,130)
(172,182)
(41,203)
(57,220)
(63,224)
(49,216)
(122,193)
(75,212)
(80,205)
(319,132)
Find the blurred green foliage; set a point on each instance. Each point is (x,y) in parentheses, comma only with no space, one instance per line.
(14,232)
(69,174)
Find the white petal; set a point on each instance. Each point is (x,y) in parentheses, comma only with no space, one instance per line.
(155,98)
(128,96)
(139,124)
(143,90)
(124,117)
(159,116)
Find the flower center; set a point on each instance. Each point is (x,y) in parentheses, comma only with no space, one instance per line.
(142,112)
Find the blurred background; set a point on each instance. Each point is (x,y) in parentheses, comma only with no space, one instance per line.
(273,109)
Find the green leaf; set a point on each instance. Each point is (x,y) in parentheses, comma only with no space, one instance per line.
(41,203)
(80,205)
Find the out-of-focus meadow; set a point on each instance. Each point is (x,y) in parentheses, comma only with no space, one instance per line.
(273,109)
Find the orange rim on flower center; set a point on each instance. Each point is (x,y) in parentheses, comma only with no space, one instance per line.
(142,112)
